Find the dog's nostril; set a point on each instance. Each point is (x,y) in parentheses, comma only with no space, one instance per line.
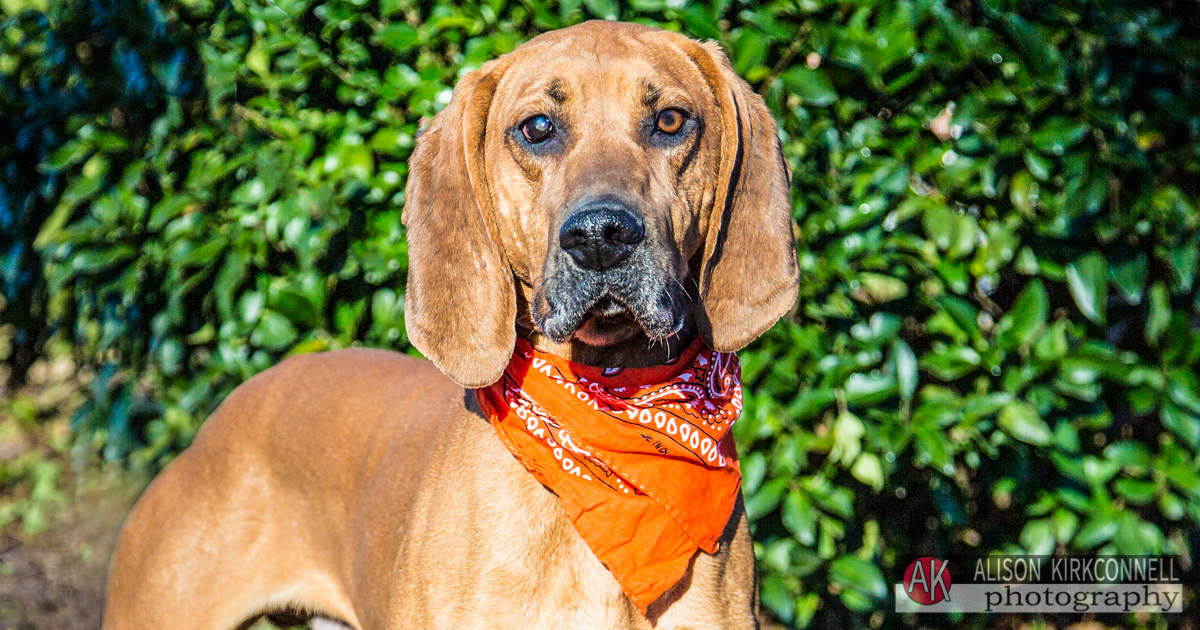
(629,235)
(600,237)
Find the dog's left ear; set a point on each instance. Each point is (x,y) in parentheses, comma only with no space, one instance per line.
(460,305)
(748,278)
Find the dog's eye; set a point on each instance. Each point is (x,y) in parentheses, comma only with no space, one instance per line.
(537,129)
(670,121)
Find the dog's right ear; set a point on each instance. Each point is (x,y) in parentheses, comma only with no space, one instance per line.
(749,277)
(460,305)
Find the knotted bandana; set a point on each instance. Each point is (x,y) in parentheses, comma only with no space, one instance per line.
(640,458)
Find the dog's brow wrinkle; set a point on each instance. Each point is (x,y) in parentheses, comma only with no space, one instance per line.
(555,91)
(651,96)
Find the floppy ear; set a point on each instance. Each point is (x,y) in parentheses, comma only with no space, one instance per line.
(748,277)
(460,306)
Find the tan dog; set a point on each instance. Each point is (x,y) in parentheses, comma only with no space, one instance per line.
(608,191)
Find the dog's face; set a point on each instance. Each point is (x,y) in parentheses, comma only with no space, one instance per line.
(625,178)
(597,158)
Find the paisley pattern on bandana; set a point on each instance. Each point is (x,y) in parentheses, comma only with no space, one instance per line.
(641,458)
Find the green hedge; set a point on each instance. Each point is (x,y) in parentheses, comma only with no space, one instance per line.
(996,343)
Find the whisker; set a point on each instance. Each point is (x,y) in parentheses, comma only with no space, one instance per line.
(681,286)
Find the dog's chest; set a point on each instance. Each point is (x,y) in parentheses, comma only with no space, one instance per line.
(492,548)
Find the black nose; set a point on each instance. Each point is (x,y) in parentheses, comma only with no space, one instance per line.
(601,236)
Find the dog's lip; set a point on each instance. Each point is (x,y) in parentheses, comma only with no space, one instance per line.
(609,309)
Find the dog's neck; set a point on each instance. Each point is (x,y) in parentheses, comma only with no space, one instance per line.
(635,352)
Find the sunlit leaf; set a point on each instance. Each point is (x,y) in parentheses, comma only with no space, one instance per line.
(1021,420)
(1088,282)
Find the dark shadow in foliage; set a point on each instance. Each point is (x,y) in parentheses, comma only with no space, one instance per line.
(111,64)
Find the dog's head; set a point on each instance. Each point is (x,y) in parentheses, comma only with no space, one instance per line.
(601,184)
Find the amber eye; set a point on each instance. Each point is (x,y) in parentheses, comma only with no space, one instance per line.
(670,121)
(537,129)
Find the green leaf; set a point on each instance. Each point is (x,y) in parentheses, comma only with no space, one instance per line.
(1066,437)
(806,607)
(1137,537)
(880,328)
(273,331)
(1133,456)
(1042,57)
(67,155)
(1038,537)
(852,572)
(603,9)
(863,389)
(1182,261)
(1052,345)
(250,305)
(868,470)
(1183,387)
(1129,277)
(766,499)
(754,469)
(1059,134)
(1087,281)
(847,438)
(99,260)
(933,447)
(950,363)
(980,406)
(1020,420)
(297,308)
(1028,314)
(939,223)
(1038,166)
(831,498)
(813,88)
(800,518)
(964,314)
(1160,313)
(1067,523)
(774,594)
(1099,471)
(398,36)
(1100,528)
(907,375)
(1088,198)
(1136,491)
(879,288)
(1170,506)
(1023,192)
(258,60)
(356,161)
(1181,423)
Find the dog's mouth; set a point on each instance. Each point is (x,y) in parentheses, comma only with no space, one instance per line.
(591,310)
(608,321)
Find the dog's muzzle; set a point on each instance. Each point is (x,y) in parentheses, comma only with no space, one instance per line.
(607,269)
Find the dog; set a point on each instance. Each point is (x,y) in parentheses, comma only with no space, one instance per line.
(606,192)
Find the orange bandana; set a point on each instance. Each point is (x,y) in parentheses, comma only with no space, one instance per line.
(640,458)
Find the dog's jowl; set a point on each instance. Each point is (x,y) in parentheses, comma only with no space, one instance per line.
(597,222)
